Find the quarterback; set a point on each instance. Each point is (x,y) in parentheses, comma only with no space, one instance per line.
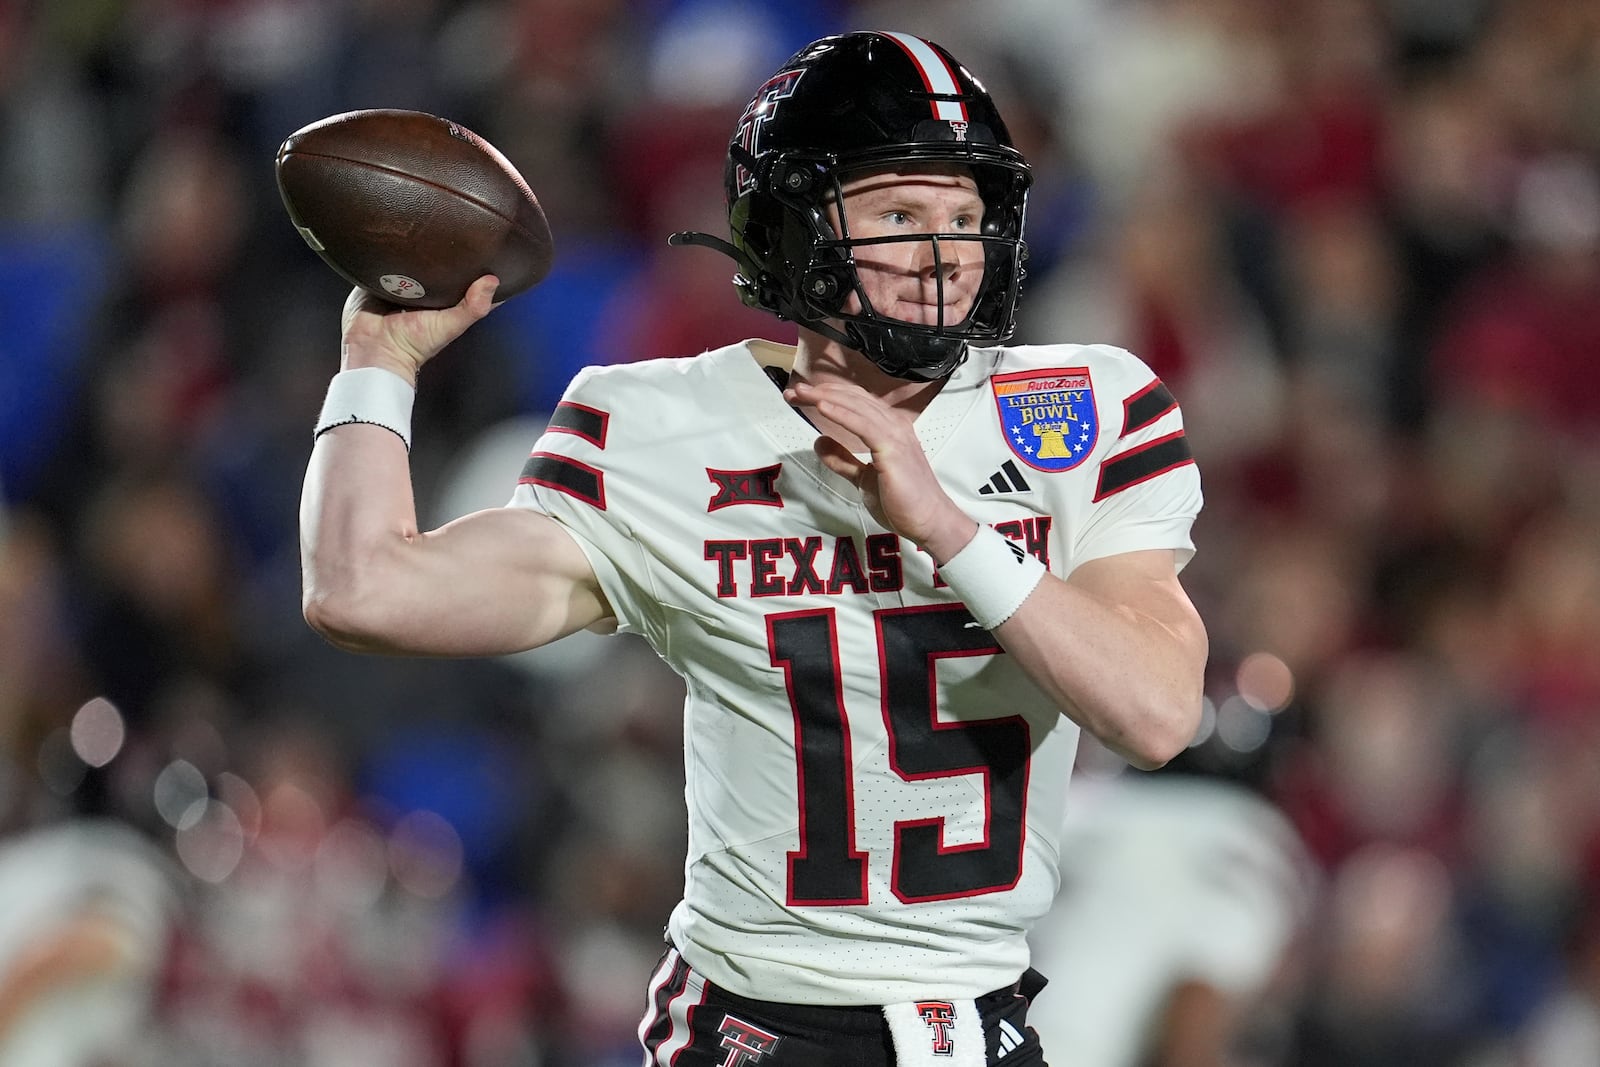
(899,566)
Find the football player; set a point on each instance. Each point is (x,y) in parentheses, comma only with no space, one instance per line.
(899,566)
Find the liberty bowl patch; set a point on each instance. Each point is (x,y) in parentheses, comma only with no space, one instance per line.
(1048,416)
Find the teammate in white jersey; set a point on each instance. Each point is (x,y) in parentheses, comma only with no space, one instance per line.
(898,566)
(1184,898)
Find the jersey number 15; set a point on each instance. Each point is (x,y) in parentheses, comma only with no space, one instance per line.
(828,869)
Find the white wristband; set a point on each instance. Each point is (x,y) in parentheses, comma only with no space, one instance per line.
(992,575)
(368,394)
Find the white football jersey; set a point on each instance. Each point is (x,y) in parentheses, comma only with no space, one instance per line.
(874,788)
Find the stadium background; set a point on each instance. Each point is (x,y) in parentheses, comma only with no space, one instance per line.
(1360,239)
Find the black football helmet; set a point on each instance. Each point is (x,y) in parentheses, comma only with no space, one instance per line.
(853,103)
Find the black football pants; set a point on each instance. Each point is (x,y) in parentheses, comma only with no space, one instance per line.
(691,1023)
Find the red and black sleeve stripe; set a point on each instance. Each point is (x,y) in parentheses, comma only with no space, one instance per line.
(1146,406)
(1141,463)
(580,421)
(563,473)
(566,475)
(1144,461)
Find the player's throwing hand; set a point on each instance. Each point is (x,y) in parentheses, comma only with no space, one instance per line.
(377,333)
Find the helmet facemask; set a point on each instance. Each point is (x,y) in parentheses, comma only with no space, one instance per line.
(824,261)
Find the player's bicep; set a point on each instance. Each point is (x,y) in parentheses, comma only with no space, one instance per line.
(531,569)
(489,583)
(1145,584)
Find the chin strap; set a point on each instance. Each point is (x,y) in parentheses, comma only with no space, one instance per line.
(705,240)
(748,268)
(749,271)
(748,282)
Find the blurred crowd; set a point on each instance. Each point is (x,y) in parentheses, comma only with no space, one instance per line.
(1360,240)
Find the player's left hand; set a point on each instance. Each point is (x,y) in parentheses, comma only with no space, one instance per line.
(897,483)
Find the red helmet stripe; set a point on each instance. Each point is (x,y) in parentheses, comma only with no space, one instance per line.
(937,76)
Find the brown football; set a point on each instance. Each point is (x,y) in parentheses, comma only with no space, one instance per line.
(412,207)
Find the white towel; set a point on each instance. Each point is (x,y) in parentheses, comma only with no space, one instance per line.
(936,1033)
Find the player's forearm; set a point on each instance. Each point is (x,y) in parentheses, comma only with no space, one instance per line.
(356,510)
(1129,678)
